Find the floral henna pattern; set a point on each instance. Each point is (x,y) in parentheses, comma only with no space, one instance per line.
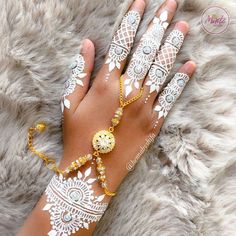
(76,76)
(157,30)
(72,204)
(170,94)
(164,61)
(157,78)
(145,53)
(123,40)
(176,39)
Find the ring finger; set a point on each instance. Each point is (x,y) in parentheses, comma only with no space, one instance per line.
(164,62)
(171,93)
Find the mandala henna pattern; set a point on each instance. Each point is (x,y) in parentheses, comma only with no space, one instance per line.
(123,40)
(72,204)
(170,94)
(164,61)
(77,73)
(145,53)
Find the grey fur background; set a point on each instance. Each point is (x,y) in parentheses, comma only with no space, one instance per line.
(186,183)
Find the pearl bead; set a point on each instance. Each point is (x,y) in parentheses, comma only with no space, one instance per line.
(159,73)
(147,50)
(67,217)
(175,41)
(75,196)
(138,69)
(169,98)
(131,19)
(181,82)
(89,157)
(119,51)
(73,65)
(155,33)
(104,185)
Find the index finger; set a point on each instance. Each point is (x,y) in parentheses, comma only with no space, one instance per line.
(123,39)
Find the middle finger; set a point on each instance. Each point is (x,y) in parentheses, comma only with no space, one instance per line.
(147,49)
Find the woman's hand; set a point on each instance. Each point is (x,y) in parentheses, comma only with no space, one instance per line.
(88,110)
(74,205)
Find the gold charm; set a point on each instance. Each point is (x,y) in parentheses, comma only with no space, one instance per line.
(103,141)
(40,127)
(117,117)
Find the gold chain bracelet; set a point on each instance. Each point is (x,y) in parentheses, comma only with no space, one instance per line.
(51,163)
(103,142)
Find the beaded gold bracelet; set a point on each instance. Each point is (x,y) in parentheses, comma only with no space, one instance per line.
(103,142)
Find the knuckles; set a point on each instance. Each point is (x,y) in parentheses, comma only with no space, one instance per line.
(139,113)
(106,87)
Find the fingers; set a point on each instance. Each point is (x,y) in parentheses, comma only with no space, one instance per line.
(171,92)
(77,84)
(124,37)
(148,47)
(164,61)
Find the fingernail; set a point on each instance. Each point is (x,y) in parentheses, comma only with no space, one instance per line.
(182,26)
(139,5)
(189,68)
(171,5)
(84,46)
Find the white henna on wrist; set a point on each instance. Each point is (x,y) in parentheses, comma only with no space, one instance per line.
(72,204)
(77,73)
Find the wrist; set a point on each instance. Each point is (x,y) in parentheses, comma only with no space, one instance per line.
(113,170)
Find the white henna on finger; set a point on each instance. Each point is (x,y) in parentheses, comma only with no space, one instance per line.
(145,53)
(76,76)
(123,40)
(170,94)
(164,61)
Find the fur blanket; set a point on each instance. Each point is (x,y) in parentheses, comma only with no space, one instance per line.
(185,184)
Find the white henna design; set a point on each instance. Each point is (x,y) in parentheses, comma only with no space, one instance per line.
(123,40)
(157,30)
(77,73)
(170,94)
(145,53)
(176,39)
(164,61)
(157,78)
(72,205)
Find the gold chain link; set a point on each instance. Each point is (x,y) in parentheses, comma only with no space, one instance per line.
(49,162)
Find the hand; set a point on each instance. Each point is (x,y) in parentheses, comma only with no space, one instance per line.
(88,110)
(75,204)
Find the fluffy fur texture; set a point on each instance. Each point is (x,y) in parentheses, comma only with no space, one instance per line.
(185,184)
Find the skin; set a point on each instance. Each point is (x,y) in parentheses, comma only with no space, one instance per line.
(91,110)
